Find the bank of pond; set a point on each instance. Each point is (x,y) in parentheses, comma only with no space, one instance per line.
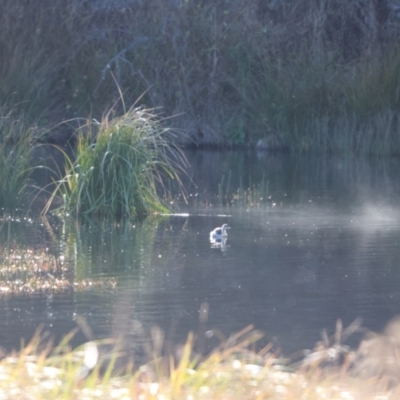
(116,168)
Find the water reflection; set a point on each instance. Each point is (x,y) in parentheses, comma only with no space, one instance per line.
(219,243)
(312,240)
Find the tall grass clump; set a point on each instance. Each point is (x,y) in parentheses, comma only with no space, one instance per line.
(119,166)
(17,140)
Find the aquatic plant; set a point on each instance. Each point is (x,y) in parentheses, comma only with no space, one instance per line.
(17,139)
(119,166)
(254,195)
(28,270)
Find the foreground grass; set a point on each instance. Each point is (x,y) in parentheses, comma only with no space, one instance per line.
(231,371)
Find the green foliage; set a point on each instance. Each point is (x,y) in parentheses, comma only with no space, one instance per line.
(119,166)
(16,163)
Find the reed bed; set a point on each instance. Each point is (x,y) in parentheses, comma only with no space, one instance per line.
(254,195)
(17,141)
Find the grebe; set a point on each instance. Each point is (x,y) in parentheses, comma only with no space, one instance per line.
(219,232)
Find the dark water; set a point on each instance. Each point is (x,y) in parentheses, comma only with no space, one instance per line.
(315,239)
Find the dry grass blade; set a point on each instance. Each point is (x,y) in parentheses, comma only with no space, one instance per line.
(233,371)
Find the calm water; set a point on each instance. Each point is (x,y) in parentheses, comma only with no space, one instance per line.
(318,240)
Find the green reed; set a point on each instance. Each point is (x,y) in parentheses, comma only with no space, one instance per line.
(17,140)
(119,166)
(249,195)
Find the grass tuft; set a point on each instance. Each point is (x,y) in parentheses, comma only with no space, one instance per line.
(119,166)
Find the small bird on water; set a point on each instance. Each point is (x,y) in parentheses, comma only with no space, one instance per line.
(220,232)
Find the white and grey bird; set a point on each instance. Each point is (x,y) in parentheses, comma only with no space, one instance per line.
(220,232)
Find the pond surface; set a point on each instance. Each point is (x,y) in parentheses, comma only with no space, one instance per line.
(312,240)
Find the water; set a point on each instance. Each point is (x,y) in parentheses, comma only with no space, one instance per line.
(315,239)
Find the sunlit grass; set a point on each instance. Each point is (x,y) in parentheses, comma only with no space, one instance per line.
(119,167)
(233,370)
(252,195)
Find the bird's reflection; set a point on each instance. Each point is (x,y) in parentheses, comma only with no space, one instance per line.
(219,243)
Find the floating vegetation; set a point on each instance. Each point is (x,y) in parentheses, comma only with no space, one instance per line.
(50,284)
(37,271)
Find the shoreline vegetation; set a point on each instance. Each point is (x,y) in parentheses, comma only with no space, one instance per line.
(233,370)
(118,167)
(296,75)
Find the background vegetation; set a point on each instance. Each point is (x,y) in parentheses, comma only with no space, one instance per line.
(302,74)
